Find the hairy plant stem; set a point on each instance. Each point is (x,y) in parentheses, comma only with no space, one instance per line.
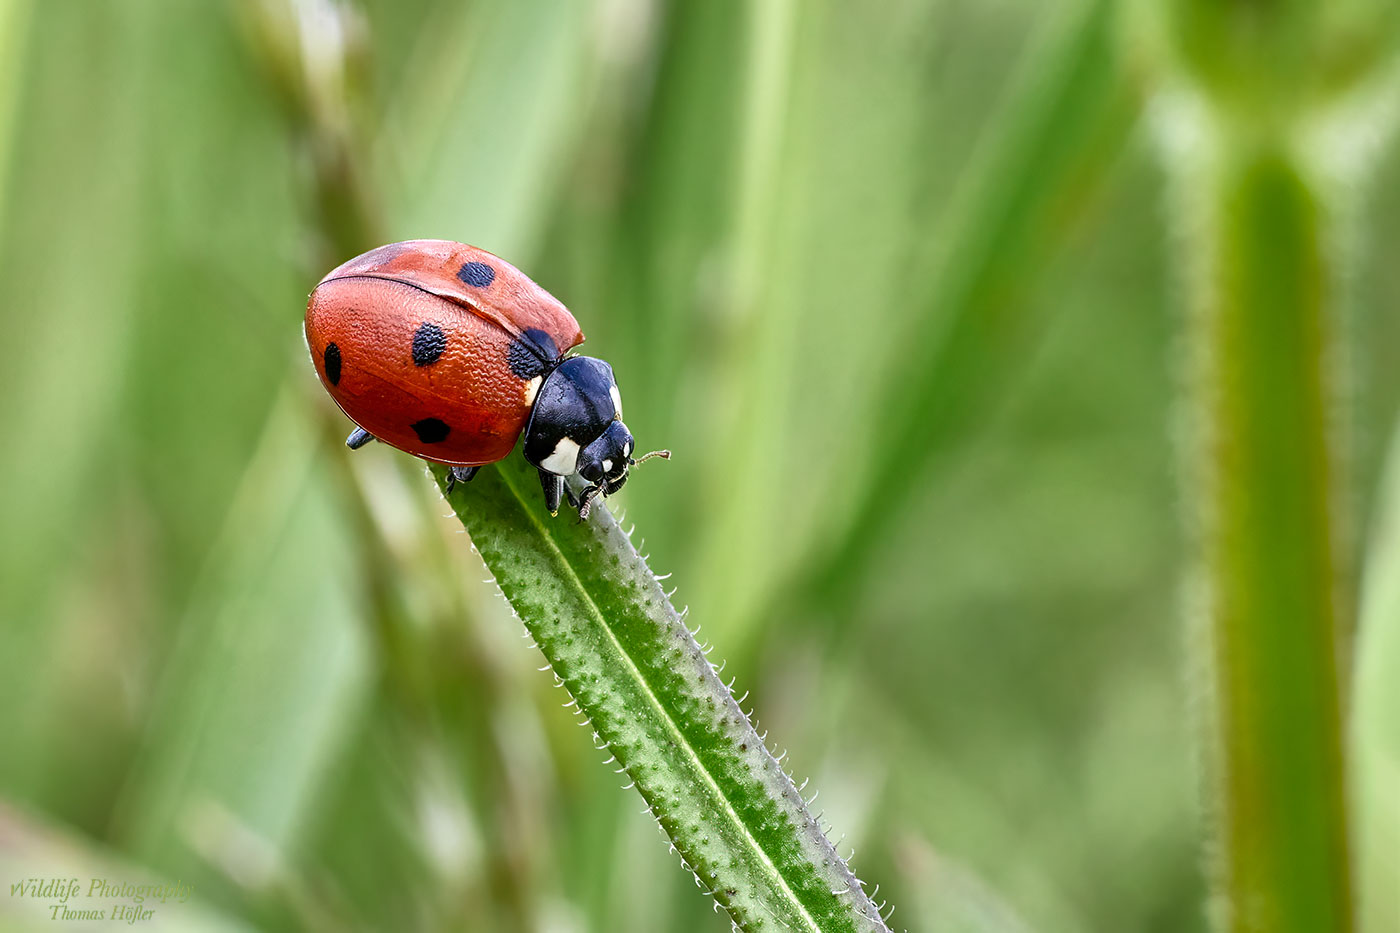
(659,707)
(1266,497)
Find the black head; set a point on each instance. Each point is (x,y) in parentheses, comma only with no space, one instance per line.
(606,459)
(576,427)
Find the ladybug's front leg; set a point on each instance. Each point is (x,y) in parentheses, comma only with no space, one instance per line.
(604,487)
(554,488)
(585,503)
(459,474)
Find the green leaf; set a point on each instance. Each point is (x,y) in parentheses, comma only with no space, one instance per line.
(659,707)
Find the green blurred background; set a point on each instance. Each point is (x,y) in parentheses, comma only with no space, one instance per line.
(896,286)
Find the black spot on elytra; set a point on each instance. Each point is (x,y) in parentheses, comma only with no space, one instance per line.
(428,344)
(532,353)
(332,361)
(476,274)
(430,430)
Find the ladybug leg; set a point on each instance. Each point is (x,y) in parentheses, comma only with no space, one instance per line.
(585,504)
(358,438)
(458,474)
(554,487)
(603,489)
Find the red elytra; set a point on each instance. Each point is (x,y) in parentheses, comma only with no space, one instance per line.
(415,341)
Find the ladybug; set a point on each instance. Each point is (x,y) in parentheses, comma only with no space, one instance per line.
(448,353)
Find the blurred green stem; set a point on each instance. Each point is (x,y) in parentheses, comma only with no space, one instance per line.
(1266,497)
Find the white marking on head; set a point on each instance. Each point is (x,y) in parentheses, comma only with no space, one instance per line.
(532,388)
(607,466)
(627,449)
(564,460)
(617,400)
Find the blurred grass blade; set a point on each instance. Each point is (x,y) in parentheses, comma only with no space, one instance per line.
(1067,121)
(252,707)
(1375,734)
(752,384)
(53,182)
(514,69)
(657,704)
(31,848)
(952,897)
(14,26)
